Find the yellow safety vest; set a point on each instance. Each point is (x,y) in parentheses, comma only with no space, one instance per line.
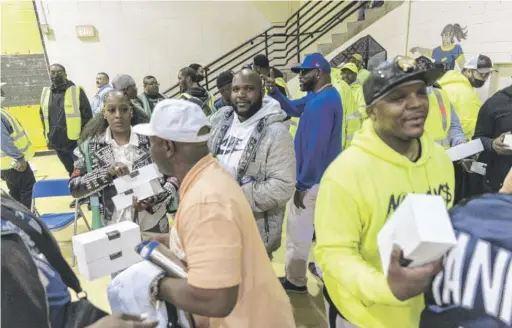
(71,111)
(353,113)
(280,82)
(208,106)
(20,139)
(439,117)
(352,118)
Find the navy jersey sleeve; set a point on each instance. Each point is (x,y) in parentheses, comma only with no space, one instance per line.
(23,296)
(474,289)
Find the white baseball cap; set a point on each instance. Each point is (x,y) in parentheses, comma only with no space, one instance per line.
(481,63)
(176,120)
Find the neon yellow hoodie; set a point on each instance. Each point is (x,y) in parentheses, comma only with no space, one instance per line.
(358,193)
(464,98)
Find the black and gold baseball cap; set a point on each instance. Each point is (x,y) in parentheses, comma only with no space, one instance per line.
(392,73)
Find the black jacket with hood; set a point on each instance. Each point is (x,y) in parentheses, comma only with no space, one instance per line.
(57,136)
(495,118)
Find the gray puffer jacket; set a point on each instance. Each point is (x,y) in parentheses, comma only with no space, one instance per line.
(266,170)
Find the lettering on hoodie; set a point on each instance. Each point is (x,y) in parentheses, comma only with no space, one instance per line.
(476,275)
(442,190)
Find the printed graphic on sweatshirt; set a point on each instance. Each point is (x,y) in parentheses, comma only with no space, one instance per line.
(230,145)
(442,190)
(477,276)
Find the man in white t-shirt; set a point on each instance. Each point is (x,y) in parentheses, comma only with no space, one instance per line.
(254,146)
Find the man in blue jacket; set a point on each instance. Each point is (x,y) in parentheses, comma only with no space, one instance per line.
(317,144)
(474,289)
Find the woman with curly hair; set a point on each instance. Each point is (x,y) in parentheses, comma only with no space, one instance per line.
(108,148)
(449,52)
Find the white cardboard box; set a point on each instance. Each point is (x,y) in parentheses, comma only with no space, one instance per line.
(508,140)
(478,168)
(142,192)
(137,178)
(465,150)
(107,250)
(421,227)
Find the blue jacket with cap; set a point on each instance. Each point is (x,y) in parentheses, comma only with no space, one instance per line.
(318,138)
(474,289)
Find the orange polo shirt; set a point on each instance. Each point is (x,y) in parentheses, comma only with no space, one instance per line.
(215,233)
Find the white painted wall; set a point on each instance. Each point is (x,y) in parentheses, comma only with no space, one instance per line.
(489,25)
(145,37)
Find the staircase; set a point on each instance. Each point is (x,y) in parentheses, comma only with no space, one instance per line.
(353,27)
(317,26)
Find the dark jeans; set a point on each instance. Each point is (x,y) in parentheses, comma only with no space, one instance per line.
(67,158)
(20,184)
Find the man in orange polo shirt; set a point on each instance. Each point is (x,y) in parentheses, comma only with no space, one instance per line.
(231,282)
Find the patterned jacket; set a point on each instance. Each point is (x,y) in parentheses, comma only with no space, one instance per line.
(266,171)
(83,184)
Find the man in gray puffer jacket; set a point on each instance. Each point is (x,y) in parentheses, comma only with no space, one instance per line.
(253,144)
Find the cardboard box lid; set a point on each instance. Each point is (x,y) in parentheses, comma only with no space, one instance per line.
(146,190)
(108,263)
(465,150)
(98,243)
(137,178)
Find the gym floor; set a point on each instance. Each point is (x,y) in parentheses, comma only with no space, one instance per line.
(309,310)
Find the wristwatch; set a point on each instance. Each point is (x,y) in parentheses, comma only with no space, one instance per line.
(154,287)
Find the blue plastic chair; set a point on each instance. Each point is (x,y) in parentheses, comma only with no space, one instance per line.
(57,221)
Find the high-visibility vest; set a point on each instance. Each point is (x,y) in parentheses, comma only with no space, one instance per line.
(20,139)
(280,82)
(208,106)
(71,111)
(439,117)
(351,116)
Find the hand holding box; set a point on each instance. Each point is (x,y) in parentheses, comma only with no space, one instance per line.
(421,227)
(508,140)
(137,178)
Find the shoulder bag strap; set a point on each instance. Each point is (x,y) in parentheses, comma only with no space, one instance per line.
(47,246)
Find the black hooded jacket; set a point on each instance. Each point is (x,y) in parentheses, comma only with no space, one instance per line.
(494,119)
(200,93)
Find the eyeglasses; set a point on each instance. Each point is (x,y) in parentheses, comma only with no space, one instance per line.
(152,83)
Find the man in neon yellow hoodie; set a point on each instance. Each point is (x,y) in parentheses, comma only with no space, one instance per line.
(389,158)
(460,89)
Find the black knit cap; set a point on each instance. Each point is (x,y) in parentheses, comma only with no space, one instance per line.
(261,61)
(395,72)
(224,78)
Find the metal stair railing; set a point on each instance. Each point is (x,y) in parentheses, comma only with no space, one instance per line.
(283,43)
